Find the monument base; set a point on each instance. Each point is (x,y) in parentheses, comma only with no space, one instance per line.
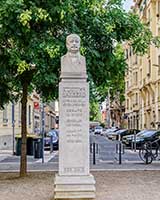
(74,187)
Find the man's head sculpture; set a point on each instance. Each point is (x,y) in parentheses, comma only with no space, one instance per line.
(73,43)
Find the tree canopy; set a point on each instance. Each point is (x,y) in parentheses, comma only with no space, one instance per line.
(34,32)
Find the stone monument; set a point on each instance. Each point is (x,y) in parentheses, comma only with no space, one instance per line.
(74,180)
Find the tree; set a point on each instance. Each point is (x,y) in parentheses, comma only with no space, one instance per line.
(27,47)
(95,111)
(32,38)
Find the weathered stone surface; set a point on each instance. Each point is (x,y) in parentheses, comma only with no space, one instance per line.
(73,65)
(74,129)
(74,180)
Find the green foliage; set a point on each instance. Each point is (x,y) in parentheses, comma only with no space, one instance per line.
(32,33)
(95,114)
(22,66)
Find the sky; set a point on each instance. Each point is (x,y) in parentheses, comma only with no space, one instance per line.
(128,4)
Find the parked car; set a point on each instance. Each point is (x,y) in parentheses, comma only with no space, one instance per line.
(126,132)
(112,134)
(98,130)
(104,131)
(148,135)
(53,136)
(128,139)
(109,130)
(121,133)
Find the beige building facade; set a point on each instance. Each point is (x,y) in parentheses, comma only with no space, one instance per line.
(142,80)
(10,119)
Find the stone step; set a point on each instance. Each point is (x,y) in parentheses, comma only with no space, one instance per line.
(73,188)
(74,195)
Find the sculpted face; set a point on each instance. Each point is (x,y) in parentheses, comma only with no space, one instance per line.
(73,43)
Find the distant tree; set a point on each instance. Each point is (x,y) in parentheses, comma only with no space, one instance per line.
(95,114)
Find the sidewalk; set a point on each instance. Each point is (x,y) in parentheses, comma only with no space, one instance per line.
(10,163)
(110,185)
(129,181)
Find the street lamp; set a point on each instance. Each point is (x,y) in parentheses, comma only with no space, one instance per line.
(13,128)
(108,108)
(43,130)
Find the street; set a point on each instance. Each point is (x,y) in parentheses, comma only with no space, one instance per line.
(105,158)
(107,151)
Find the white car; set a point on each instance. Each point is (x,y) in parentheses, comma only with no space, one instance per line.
(98,130)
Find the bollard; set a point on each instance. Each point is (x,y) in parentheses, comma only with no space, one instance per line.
(120,149)
(51,144)
(132,145)
(123,148)
(97,149)
(116,148)
(94,153)
(146,156)
(90,148)
(135,140)
(120,155)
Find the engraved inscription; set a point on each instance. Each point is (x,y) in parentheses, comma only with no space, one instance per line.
(73,169)
(74,107)
(74,92)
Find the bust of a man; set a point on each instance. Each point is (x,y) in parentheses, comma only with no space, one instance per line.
(73,64)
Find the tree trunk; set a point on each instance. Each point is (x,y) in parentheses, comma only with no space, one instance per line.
(23,164)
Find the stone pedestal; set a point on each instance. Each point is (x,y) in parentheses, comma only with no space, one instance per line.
(74,180)
(74,187)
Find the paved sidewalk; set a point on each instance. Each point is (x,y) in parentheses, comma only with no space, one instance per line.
(110,185)
(10,163)
(132,180)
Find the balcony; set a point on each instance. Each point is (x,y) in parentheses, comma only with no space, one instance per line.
(135,107)
(148,108)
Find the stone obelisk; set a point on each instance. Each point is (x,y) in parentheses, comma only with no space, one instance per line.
(74,180)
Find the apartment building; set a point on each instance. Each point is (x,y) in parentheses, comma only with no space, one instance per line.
(10,119)
(142,79)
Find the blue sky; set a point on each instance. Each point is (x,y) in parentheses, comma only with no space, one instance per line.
(128,4)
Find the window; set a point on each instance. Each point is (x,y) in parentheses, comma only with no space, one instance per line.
(153,98)
(158,31)
(136,78)
(127,84)
(130,52)
(158,13)
(19,114)
(136,59)
(5,117)
(127,104)
(140,76)
(158,91)
(148,98)
(140,61)
(126,53)
(136,99)
(149,68)
(149,17)
(29,115)
(140,100)
(159,115)
(159,65)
